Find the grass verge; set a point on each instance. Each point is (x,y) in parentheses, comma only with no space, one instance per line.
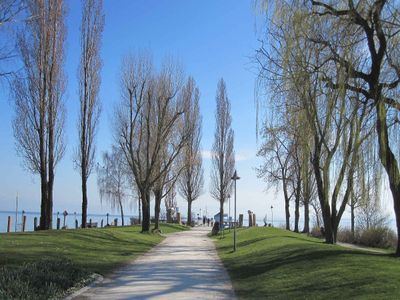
(277,264)
(44,264)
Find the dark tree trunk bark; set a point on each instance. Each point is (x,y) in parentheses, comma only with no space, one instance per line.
(84,202)
(146,211)
(287,211)
(50,199)
(352,217)
(140,209)
(157,208)
(297,208)
(43,204)
(189,213)
(390,164)
(122,212)
(306,217)
(221,213)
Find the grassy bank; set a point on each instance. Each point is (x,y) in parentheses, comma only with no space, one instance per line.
(277,264)
(70,255)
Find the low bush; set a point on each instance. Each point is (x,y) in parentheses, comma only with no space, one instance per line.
(43,279)
(379,237)
(316,232)
(346,236)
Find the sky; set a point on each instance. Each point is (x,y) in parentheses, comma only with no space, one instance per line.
(212,40)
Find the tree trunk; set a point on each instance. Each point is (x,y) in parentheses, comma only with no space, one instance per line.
(50,199)
(43,204)
(189,213)
(306,217)
(157,208)
(390,164)
(221,214)
(84,201)
(352,218)
(146,211)
(297,208)
(287,212)
(122,212)
(297,215)
(140,209)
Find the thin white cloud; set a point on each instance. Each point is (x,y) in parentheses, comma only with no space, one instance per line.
(207,154)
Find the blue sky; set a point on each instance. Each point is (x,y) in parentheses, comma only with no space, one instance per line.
(212,39)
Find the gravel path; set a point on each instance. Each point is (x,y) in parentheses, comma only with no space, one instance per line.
(183,266)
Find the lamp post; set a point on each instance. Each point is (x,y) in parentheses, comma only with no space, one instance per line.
(229,216)
(235,177)
(272,216)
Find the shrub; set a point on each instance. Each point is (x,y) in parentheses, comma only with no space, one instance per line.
(346,236)
(316,232)
(379,237)
(44,279)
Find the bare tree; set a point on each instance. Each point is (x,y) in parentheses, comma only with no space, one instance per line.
(89,84)
(38,94)
(148,114)
(296,65)
(9,12)
(191,181)
(113,180)
(170,201)
(277,153)
(223,155)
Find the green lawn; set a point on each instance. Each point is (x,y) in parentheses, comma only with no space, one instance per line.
(277,264)
(97,250)
(47,264)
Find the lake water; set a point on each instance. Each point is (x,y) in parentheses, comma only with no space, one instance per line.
(69,222)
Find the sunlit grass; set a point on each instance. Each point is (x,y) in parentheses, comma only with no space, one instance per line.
(277,264)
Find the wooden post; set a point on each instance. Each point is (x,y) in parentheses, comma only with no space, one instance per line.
(250,218)
(178,218)
(240,220)
(9,224)
(101,223)
(90,223)
(58,223)
(35,224)
(76,224)
(254,220)
(23,223)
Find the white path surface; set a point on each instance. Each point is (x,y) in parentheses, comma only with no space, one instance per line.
(183,266)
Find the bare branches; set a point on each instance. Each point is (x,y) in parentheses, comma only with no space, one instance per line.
(38,94)
(147,121)
(191,181)
(113,180)
(223,155)
(89,85)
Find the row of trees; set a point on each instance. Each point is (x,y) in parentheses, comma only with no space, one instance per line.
(332,72)
(157,122)
(38,91)
(157,125)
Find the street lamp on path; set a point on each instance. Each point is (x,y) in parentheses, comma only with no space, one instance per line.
(229,215)
(272,216)
(235,177)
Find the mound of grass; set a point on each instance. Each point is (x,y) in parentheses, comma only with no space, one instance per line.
(277,264)
(43,279)
(44,264)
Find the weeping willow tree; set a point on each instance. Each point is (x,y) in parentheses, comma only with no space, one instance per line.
(296,69)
